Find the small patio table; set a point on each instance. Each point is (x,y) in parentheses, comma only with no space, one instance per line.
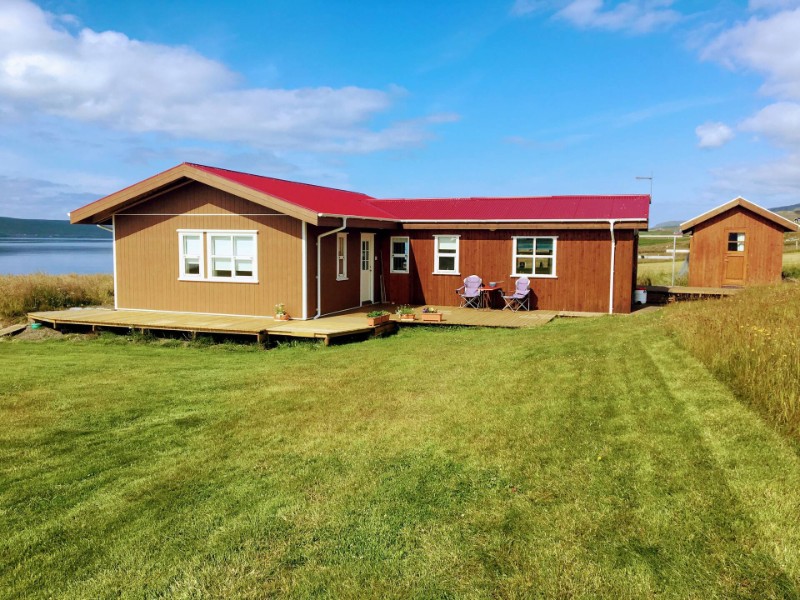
(487,298)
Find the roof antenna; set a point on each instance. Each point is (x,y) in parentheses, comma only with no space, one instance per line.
(651,184)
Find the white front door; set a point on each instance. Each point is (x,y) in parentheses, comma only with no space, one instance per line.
(366,261)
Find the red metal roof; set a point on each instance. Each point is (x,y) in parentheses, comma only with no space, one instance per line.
(541,208)
(320,199)
(326,201)
(331,201)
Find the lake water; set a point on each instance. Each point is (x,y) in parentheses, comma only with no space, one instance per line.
(55,256)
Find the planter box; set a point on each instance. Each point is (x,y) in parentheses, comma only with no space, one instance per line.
(283,317)
(432,317)
(374,321)
(408,317)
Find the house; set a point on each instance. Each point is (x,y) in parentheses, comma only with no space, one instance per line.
(736,244)
(207,240)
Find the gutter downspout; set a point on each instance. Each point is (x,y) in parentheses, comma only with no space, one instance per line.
(613,256)
(319,263)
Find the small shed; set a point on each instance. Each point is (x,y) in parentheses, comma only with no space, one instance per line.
(738,243)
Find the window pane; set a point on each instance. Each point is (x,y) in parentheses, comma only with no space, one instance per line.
(245,245)
(221,246)
(340,245)
(191,266)
(222,267)
(399,247)
(399,263)
(524,266)
(244,268)
(447,244)
(524,245)
(447,263)
(544,246)
(192,245)
(735,242)
(544,266)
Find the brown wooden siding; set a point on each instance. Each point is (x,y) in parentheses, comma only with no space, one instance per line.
(147,255)
(582,268)
(763,252)
(336,295)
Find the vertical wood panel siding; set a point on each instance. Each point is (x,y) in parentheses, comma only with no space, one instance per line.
(583,269)
(336,295)
(148,255)
(709,243)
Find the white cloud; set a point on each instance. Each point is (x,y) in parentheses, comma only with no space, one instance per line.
(768,184)
(713,135)
(779,122)
(634,16)
(526,7)
(769,5)
(770,46)
(109,79)
(24,197)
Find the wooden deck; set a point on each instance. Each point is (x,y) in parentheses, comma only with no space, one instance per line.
(351,323)
(662,294)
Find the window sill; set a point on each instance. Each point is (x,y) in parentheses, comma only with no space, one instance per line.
(217,280)
(445,273)
(529,276)
(341,278)
(399,272)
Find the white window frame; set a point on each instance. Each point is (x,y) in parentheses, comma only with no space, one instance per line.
(436,255)
(406,255)
(206,259)
(341,275)
(515,256)
(182,234)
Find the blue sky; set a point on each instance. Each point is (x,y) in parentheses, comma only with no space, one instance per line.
(396,99)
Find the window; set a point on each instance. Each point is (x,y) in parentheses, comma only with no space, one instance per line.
(446,255)
(191,246)
(399,258)
(534,256)
(230,256)
(341,256)
(735,241)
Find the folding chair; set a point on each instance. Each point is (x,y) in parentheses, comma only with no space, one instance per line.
(521,298)
(470,292)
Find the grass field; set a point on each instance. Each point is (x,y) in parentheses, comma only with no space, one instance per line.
(21,294)
(587,458)
(751,341)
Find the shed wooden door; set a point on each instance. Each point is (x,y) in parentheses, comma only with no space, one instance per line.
(366,263)
(735,268)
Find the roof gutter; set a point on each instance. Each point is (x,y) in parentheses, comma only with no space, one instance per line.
(601,220)
(613,257)
(319,263)
(104,228)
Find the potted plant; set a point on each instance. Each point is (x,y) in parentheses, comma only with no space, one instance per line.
(376,317)
(280,312)
(431,314)
(405,312)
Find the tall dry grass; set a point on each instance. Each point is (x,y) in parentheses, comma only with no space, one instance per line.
(21,294)
(751,341)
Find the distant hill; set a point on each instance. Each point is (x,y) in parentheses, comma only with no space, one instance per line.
(792,208)
(667,225)
(48,228)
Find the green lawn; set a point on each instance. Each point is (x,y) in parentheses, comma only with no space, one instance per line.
(586,458)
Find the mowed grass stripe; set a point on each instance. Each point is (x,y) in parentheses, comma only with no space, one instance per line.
(560,461)
(761,467)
